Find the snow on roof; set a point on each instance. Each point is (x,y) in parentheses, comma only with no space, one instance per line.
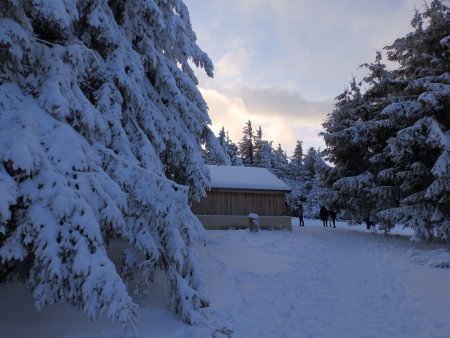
(228,177)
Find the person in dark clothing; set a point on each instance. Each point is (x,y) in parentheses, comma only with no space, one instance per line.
(300,215)
(323,216)
(369,223)
(332,214)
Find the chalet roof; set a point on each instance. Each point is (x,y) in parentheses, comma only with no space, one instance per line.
(248,178)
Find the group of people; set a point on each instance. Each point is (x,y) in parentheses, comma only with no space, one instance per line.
(324,215)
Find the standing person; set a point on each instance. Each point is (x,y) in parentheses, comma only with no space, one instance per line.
(332,214)
(369,223)
(324,216)
(300,215)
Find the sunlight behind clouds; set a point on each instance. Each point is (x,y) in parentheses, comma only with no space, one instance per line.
(225,111)
(281,125)
(281,63)
(233,63)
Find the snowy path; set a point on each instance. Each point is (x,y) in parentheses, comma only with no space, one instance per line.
(312,282)
(323,282)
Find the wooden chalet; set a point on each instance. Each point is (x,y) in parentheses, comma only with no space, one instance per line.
(237,192)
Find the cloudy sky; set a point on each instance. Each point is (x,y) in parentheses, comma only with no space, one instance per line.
(281,63)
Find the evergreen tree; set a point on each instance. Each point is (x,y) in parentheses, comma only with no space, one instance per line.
(309,162)
(212,156)
(230,152)
(264,156)
(280,159)
(246,146)
(356,135)
(420,150)
(233,152)
(258,137)
(295,165)
(222,138)
(305,182)
(101,127)
(390,144)
(295,179)
(314,192)
(348,152)
(297,157)
(257,147)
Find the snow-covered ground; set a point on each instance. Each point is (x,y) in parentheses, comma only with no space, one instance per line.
(311,282)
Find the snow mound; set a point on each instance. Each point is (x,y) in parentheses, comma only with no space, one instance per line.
(435,258)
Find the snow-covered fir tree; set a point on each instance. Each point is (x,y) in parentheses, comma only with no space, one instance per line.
(257,147)
(390,144)
(295,179)
(420,151)
(299,172)
(310,161)
(263,151)
(280,161)
(297,156)
(101,127)
(350,139)
(233,152)
(265,156)
(305,181)
(246,146)
(229,148)
(222,137)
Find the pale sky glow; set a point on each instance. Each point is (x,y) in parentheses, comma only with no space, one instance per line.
(281,63)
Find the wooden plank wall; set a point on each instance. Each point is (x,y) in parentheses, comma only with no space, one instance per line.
(242,203)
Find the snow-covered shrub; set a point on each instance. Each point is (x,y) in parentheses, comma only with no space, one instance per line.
(434,258)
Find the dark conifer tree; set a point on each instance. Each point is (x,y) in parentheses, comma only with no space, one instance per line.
(390,145)
(246,146)
(420,150)
(297,157)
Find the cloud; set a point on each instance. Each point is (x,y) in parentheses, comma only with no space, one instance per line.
(283,114)
(281,63)
(315,46)
(279,101)
(234,61)
(226,111)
